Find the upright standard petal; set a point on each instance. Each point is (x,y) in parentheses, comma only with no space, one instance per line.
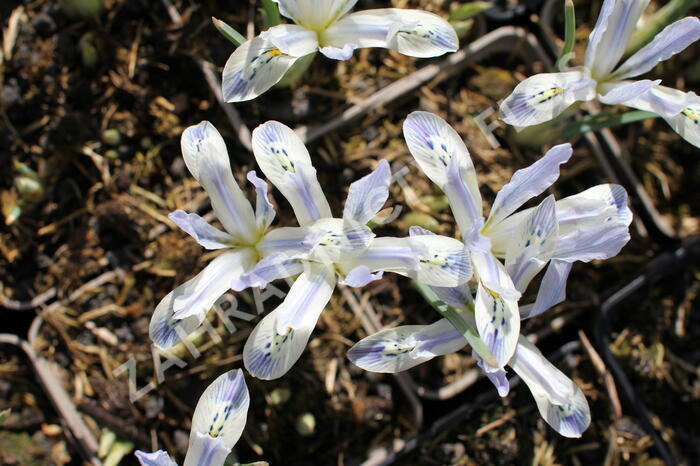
(606,45)
(673,39)
(199,294)
(560,402)
(410,32)
(443,156)
(367,195)
(264,210)
(157,458)
(306,298)
(314,14)
(252,69)
(284,160)
(533,244)
(207,159)
(206,235)
(498,323)
(528,183)
(545,96)
(398,349)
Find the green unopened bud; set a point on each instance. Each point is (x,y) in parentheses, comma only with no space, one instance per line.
(4,415)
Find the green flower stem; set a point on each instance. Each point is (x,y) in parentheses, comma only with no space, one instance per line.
(457,319)
(271,13)
(569,35)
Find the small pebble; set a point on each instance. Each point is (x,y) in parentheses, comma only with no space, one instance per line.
(280,396)
(111,137)
(306,424)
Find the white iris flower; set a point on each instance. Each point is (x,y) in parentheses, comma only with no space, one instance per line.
(544,96)
(326,26)
(184,309)
(591,225)
(344,251)
(217,424)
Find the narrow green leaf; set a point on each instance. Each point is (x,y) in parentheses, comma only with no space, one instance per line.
(604,120)
(457,319)
(4,415)
(228,32)
(271,14)
(569,35)
(469,10)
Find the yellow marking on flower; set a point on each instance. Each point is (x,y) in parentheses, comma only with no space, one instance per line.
(547,95)
(274,52)
(692,114)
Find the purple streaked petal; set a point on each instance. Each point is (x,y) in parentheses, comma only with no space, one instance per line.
(206,157)
(264,210)
(496,375)
(673,39)
(528,182)
(306,298)
(624,92)
(268,269)
(157,458)
(199,294)
(368,194)
(617,21)
(552,290)
(360,276)
(206,235)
